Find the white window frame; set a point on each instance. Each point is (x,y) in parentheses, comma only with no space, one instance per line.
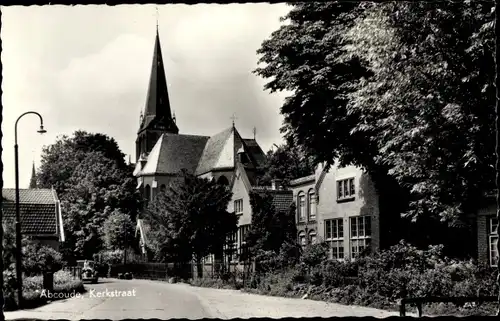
(356,241)
(238,206)
(346,189)
(311,202)
(302,239)
(311,235)
(335,241)
(301,206)
(492,237)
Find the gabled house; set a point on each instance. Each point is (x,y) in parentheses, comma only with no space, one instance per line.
(338,205)
(40,211)
(243,184)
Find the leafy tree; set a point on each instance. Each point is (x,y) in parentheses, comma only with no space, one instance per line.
(118,231)
(429,105)
(287,162)
(190,220)
(97,187)
(270,229)
(390,87)
(60,159)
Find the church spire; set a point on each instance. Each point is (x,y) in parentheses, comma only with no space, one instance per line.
(33,183)
(157,112)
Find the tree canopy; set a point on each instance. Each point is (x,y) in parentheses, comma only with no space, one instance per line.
(270,228)
(286,162)
(118,231)
(92,181)
(190,219)
(402,89)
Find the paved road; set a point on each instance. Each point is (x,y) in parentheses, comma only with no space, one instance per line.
(152,299)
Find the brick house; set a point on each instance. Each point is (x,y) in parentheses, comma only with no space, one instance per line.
(487,233)
(340,207)
(41,217)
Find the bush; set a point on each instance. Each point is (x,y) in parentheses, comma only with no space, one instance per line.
(315,254)
(38,258)
(33,286)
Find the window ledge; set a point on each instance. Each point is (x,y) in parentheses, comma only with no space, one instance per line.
(346,199)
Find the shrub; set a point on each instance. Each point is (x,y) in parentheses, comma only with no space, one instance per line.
(315,254)
(38,258)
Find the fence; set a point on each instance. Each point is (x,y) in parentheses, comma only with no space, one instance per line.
(76,271)
(153,271)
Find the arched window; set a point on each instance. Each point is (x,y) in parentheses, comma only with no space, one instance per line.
(312,205)
(302,238)
(163,188)
(312,237)
(147,193)
(301,206)
(223,180)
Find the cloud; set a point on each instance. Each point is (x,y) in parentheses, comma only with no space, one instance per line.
(94,77)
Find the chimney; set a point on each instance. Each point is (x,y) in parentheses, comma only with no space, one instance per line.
(276,184)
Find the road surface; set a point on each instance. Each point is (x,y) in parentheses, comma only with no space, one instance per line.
(123,299)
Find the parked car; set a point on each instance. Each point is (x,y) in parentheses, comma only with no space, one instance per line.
(89,271)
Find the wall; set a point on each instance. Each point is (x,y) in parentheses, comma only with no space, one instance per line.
(364,203)
(240,192)
(483,218)
(308,225)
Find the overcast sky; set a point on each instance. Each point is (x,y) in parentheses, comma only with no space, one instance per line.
(87,67)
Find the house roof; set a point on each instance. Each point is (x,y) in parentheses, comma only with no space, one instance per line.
(253,148)
(174,152)
(143,229)
(38,209)
(282,199)
(303,180)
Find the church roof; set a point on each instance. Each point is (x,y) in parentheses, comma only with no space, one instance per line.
(213,150)
(173,153)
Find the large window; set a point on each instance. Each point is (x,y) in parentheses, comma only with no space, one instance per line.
(346,189)
(243,231)
(238,206)
(232,246)
(302,239)
(493,240)
(334,236)
(361,233)
(312,205)
(301,206)
(147,194)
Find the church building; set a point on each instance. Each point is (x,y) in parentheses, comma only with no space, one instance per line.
(162,153)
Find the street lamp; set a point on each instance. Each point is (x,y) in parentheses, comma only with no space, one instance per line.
(18,214)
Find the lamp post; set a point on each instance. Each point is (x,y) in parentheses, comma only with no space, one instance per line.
(18,214)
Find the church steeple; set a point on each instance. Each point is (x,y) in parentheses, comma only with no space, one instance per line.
(33,183)
(157,117)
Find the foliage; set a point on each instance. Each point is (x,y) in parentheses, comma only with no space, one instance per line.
(64,286)
(118,231)
(389,87)
(9,244)
(432,78)
(270,228)
(314,254)
(92,180)
(286,162)
(190,219)
(38,258)
(381,279)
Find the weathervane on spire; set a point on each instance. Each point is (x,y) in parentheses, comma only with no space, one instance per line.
(233,118)
(157,17)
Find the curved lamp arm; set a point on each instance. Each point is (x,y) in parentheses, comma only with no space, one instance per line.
(41,130)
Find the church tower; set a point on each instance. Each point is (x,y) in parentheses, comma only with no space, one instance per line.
(157,117)
(33,183)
